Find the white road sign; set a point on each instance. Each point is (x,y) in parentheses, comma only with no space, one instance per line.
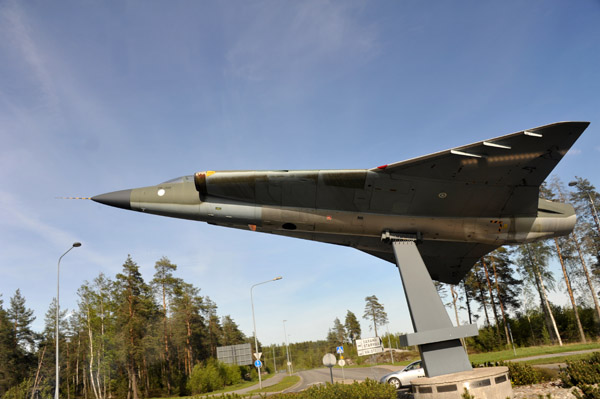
(369,346)
(329,360)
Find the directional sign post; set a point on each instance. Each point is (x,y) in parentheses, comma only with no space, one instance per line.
(369,346)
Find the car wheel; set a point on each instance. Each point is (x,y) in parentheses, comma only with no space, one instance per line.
(395,382)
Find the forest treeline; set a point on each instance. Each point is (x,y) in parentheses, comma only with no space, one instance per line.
(131,338)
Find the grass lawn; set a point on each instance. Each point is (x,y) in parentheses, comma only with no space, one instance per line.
(285,383)
(243,385)
(529,351)
(508,354)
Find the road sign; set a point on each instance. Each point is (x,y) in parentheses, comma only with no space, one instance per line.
(339,349)
(329,360)
(258,364)
(369,346)
(257,355)
(341,362)
(235,354)
(289,363)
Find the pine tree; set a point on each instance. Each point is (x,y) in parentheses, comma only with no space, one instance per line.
(232,335)
(12,365)
(375,312)
(188,325)
(337,333)
(555,189)
(134,315)
(352,326)
(534,260)
(21,318)
(164,285)
(214,332)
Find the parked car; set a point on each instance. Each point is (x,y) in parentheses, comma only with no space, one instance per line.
(402,378)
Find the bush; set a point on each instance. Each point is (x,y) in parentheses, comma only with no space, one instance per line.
(232,374)
(368,389)
(520,373)
(582,372)
(212,376)
(20,391)
(523,374)
(587,392)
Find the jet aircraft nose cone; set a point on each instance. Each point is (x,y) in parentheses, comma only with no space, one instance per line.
(120,199)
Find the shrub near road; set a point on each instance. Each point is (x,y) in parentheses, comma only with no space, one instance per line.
(585,375)
(368,389)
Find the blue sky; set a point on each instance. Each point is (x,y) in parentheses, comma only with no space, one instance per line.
(103,96)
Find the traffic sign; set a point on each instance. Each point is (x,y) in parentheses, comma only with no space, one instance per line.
(329,360)
(258,364)
(342,362)
(257,355)
(339,349)
(369,346)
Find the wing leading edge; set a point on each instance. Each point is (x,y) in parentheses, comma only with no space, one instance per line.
(499,176)
(495,177)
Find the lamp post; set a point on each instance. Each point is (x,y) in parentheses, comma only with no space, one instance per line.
(592,204)
(56,333)
(254,324)
(287,349)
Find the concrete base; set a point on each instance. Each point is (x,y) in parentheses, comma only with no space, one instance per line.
(482,383)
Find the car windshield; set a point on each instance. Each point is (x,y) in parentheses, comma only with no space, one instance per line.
(413,366)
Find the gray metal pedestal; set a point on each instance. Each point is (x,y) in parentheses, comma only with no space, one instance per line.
(438,340)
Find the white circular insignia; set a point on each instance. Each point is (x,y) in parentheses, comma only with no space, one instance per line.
(161,192)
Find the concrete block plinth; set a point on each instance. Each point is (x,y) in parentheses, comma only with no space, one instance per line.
(482,383)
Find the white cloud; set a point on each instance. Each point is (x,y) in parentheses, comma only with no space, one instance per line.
(284,40)
(16,30)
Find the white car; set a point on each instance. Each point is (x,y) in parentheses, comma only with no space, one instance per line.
(403,378)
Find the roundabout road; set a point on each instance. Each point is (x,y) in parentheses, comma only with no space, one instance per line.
(322,376)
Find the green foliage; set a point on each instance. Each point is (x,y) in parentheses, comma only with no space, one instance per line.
(524,374)
(586,392)
(520,373)
(368,389)
(375,312)
(213,375)
(467,395)
(352,326)
(582,372)
(19,391)
(487,340)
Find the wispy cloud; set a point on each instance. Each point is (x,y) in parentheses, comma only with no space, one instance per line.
(16,30)
(285,40)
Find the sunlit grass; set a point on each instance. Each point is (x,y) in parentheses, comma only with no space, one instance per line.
(508,354)
(285,383)
(230,388)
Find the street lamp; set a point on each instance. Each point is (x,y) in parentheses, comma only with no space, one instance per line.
(75,245)
(576,183)
(287,349)
(254,324)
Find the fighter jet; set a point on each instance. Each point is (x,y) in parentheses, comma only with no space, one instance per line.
(460,203)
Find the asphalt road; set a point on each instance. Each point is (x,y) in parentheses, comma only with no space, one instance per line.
(322,376)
